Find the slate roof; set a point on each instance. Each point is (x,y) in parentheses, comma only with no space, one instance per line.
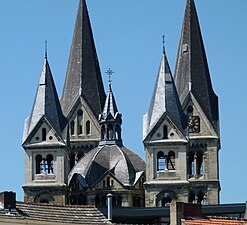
(212,221)
(122,163)
(110,106)
(192,72)
(56,214)
(83,76)
(46,104)
(165,99)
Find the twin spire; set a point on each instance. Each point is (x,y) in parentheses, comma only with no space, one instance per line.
(83,78)
(46,104)
(191,78)
(192,72)
(164,100)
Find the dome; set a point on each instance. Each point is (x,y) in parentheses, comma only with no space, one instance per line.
(123,164)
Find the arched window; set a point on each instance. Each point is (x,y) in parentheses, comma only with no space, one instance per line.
(200,197)
(72,127)
(118,132)
(49,160)
(165,201)
(43,134)
(191,168)
(43,166)
(165,132)
(38,161)
(112,183)
(79,121)
(108,181)
(199,162)
(103,132)
(110,134)
(88,128)
(161,161)
(171,160)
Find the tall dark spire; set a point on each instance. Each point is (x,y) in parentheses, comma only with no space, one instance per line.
(46,104)
(110,120)
(83,76)
(191,72)
(164,100)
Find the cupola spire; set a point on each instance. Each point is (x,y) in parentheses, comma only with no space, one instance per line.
(110,119)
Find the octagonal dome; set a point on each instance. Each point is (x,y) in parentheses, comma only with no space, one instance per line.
(126,166)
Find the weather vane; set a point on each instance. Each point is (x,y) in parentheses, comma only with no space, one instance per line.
(109,72)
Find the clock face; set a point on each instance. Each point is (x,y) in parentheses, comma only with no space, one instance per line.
(194,124)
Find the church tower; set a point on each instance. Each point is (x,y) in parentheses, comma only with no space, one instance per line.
(83,95)
(165,141)
(46,153)
(200,103)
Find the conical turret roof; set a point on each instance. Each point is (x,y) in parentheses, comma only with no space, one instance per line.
(165,99)
(46,103)
(83,76)
(192,73)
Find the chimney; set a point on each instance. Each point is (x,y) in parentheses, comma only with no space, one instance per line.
(8,200)
(179,210)
(109,205)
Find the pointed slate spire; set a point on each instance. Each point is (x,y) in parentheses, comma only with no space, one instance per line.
(110,107)
(192,73)
(165,100)
(83,76)
(110,120)
(46,103)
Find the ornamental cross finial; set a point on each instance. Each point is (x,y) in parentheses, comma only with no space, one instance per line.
(163,40)
(46,42)
(109,72)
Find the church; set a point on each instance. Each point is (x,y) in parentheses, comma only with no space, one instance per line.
(74,153)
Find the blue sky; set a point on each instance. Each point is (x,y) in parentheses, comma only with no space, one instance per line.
(128,40)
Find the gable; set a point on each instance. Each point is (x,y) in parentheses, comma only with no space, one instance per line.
(196,115)
(43,133)
(79,115)
(165,131)
(108,180)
